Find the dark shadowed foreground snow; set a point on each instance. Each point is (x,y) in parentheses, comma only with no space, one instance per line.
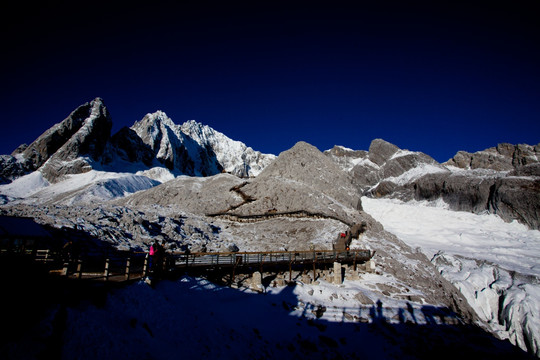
(191,318)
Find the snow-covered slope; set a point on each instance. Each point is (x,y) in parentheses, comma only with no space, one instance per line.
(235,157)
(89,187)
(83,142)
(495,264)
(196,149)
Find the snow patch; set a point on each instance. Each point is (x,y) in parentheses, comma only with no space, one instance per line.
(25,185)
(493,263)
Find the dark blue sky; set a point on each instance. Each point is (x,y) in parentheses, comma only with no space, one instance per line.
(436,77)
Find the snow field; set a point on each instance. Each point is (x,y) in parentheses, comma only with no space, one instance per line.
(496,265)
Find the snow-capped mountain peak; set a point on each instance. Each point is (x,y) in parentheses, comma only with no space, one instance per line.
(235,157)
(196,149)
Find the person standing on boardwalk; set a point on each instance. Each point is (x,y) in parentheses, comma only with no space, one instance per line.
(159,257)
(152,254)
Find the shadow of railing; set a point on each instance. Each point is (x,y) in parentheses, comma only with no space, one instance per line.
(280,323)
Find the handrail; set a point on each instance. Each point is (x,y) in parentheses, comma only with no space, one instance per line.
(267,252)
(247,258)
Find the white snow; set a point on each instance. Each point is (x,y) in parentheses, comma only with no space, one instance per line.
(90,186)
(415,173)
(402,152)
(362,161)
(485,237)
(495,264)
(232,154)
(157,173)
(25,185)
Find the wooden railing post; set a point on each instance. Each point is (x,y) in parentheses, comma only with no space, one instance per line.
(65,269)
(128,268)
(78,275)
(314,263)
(106,272)
(145,266)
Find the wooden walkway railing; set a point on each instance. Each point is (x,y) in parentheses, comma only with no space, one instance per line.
(251,259)
(123,265)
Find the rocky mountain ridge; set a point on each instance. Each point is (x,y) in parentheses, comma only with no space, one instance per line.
(209,198)
(504,180)
(83,141)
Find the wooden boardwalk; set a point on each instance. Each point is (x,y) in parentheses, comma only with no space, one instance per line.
(121,266)
(269,258)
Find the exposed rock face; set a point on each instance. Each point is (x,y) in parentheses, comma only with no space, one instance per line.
(512,198)
(301,181)
(10,169)
(381,151)
(85,145)
(516,198)
(503,157)
(128,146)
(82,141)
(196,149)
(302,198)
(66,148)
(302,178)
(52,140)
(176,150)
(192,194)
(234,156)
(384,161)
(503,180)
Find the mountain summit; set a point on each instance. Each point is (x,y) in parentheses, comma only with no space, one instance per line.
(83,141)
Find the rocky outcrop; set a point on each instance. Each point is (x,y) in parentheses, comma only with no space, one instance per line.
(84,146)
(174,149)
(516,198)
(52,140)
(503,180)
(302,178)
(234,156)
(300,181)
(82,141)
(503,157)
(383,165)
(128,146)
(196,195)
(11,168)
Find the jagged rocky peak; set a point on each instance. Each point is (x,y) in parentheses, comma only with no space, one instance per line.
(178,151)
(380,151)
(503,157)
(234,156)
(83,139)
(92,125)
(152,127)
(60,149)
(196,149)
(95,119)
